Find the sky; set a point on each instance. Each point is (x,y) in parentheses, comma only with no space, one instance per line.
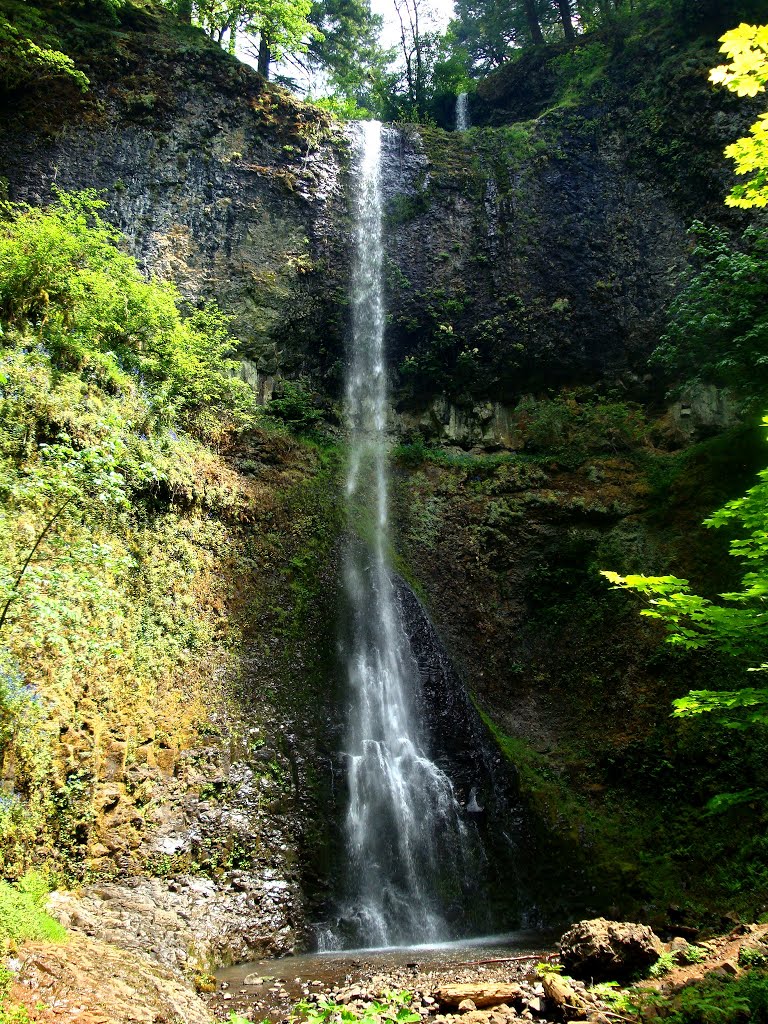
(386,8)
(390,36)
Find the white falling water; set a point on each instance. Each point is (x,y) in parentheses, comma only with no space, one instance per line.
(462,112)
(404,836)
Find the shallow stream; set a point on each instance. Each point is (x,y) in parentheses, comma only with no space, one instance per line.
(269,988)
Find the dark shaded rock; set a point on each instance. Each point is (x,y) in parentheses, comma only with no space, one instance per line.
(609,950)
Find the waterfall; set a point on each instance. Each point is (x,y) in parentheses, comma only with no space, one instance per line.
(405,839)
(462,112)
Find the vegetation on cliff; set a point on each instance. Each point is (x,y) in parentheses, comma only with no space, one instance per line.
(121,507)
(158,528)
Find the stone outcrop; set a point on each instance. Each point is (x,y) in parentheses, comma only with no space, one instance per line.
(220,183)
(88,981)
(189,922)
(609,950)
(518,257)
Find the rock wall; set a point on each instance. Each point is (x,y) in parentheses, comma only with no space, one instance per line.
(220,183)
(521,257)
(536,252)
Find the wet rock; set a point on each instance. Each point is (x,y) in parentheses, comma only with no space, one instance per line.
(190,918)
(609,950)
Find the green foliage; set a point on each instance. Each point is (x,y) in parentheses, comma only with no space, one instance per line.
(22,731)
(742,1000)
(548,967)
(392,1007)
(663,965)
(21,911)
(25,62)
(737,625)
(344,107)
(111,403)
(293,404)
(753,957)
(718,324)
(695,954)
(747,75)
(347,48)
(282,25)
(579,69)
(66,285)
(78,319)
(575,423)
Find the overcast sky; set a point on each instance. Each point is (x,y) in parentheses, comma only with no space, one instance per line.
(390,36)
(386,8)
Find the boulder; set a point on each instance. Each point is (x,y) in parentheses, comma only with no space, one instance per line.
(609,950)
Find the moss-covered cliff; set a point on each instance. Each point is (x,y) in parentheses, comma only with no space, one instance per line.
(530,263)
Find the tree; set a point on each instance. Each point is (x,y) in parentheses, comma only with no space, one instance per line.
(347,47)
(492,29)
(418,47)
(747,75)
(564,7)
(717,332)
(737,625)
(282,26)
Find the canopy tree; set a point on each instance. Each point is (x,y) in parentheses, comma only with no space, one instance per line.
(491,29)
(419,40)
(346,47)
(282,26)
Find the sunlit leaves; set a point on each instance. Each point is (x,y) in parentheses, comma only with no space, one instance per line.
(23,62)
(747,75)
(736,625)
(65,281)
(747,49)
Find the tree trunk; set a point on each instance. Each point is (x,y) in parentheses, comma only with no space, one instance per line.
(565,17)
(185,11)
(265,57)
(532,19)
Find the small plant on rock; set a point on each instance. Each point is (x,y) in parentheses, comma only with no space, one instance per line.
(663,965)
(694,955)
(753,957)
(549,967)
(392,1006)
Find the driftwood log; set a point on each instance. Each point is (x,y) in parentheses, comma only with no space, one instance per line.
(558,991)
(481,995)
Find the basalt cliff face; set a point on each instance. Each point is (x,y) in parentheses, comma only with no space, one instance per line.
(535,252)
(538,250)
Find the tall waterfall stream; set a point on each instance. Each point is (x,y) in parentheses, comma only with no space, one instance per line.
(406,842)
(462,112)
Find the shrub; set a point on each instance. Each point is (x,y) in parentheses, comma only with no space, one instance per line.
(66,285)
(21,911)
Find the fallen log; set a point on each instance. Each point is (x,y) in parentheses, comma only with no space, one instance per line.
(481,995)
(558,991)
(543,957)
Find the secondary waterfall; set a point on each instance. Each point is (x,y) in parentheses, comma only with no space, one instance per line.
(405,839)
(462,112)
